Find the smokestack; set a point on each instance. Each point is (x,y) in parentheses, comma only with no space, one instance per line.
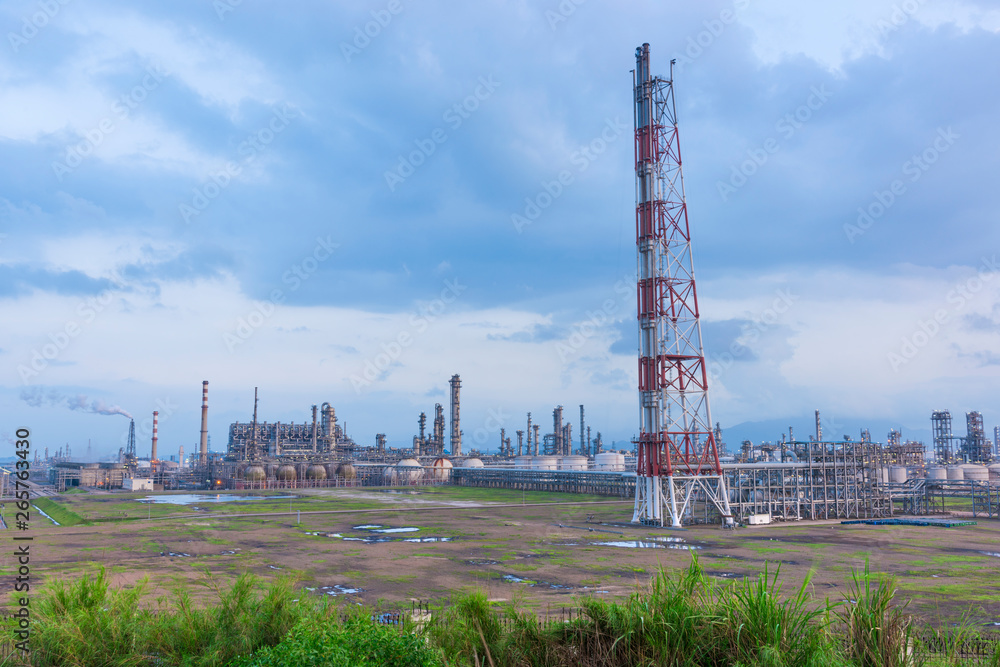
(152,454)
(583,442)
(203,449)
(536,427)
(180,456)
(819,428)
(456,433)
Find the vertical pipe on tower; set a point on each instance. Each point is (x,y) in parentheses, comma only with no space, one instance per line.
(583,442)
(203,447)
(314,430)
(536,427)
(152,454)
(456,431)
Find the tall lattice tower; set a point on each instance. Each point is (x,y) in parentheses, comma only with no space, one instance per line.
(677,455)
(941,430)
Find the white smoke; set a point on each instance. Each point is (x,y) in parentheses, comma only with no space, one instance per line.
(38,397)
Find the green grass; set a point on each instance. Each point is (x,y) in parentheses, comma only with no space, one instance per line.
(64,516)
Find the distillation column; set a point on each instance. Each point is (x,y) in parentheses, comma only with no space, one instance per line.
(456,429)
(203,445)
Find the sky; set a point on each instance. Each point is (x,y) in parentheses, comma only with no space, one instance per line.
(351,202)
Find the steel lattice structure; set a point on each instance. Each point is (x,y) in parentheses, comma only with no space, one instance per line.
(676,449)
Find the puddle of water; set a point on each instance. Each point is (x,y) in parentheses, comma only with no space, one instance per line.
(191,498)
(641,544)
(46,515)
(427,539)
(178,554)
(510,578)
(338,589)
(990,553)
(475,561)
(273,567)
(367,526)
(395,530)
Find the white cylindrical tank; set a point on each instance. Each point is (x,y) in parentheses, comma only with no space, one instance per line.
(544,463)
(610,462)
(956,473)
(522,462)
(883,475)
(573,463)
(897,474)
(976,472)
(937,472)
(472,463)
(994,469)
(440,470)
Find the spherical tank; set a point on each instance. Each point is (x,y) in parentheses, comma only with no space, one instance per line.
(347,471)
(254,473)
(316,472)
(472,463)
(286,473)
(409,470)
(441,469)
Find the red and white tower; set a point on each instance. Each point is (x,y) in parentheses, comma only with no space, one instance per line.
(677,455)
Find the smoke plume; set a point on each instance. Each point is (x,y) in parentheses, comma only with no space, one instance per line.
(38,397)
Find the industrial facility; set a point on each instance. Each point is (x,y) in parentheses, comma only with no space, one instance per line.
(677,470)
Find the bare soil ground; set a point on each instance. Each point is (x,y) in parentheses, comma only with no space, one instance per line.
(543,553)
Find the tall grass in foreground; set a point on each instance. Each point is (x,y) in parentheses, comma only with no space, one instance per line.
(681,618)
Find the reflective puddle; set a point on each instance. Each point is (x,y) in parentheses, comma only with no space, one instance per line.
(511,579)
(191,498)
(644,544)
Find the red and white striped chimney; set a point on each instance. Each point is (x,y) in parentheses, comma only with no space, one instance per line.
(152,455)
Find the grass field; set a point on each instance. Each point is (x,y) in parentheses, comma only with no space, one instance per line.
(544,553)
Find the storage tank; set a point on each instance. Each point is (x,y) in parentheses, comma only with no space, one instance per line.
(956,473)
(897,474)
(994,470)
(610,461)
(390,475)
(573,463)
(937,472)
(544,462)
(522,462)
(254,473)
(472,463)
(331,470)
(347,471)
(883,475)
(976,473)
(272,470)
(316,472)
(286,473)
(409,470)
(300,469)
(440,470)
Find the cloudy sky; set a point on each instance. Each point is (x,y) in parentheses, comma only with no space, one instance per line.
(350,202)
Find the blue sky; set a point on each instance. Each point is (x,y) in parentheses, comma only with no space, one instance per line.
(328,201)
